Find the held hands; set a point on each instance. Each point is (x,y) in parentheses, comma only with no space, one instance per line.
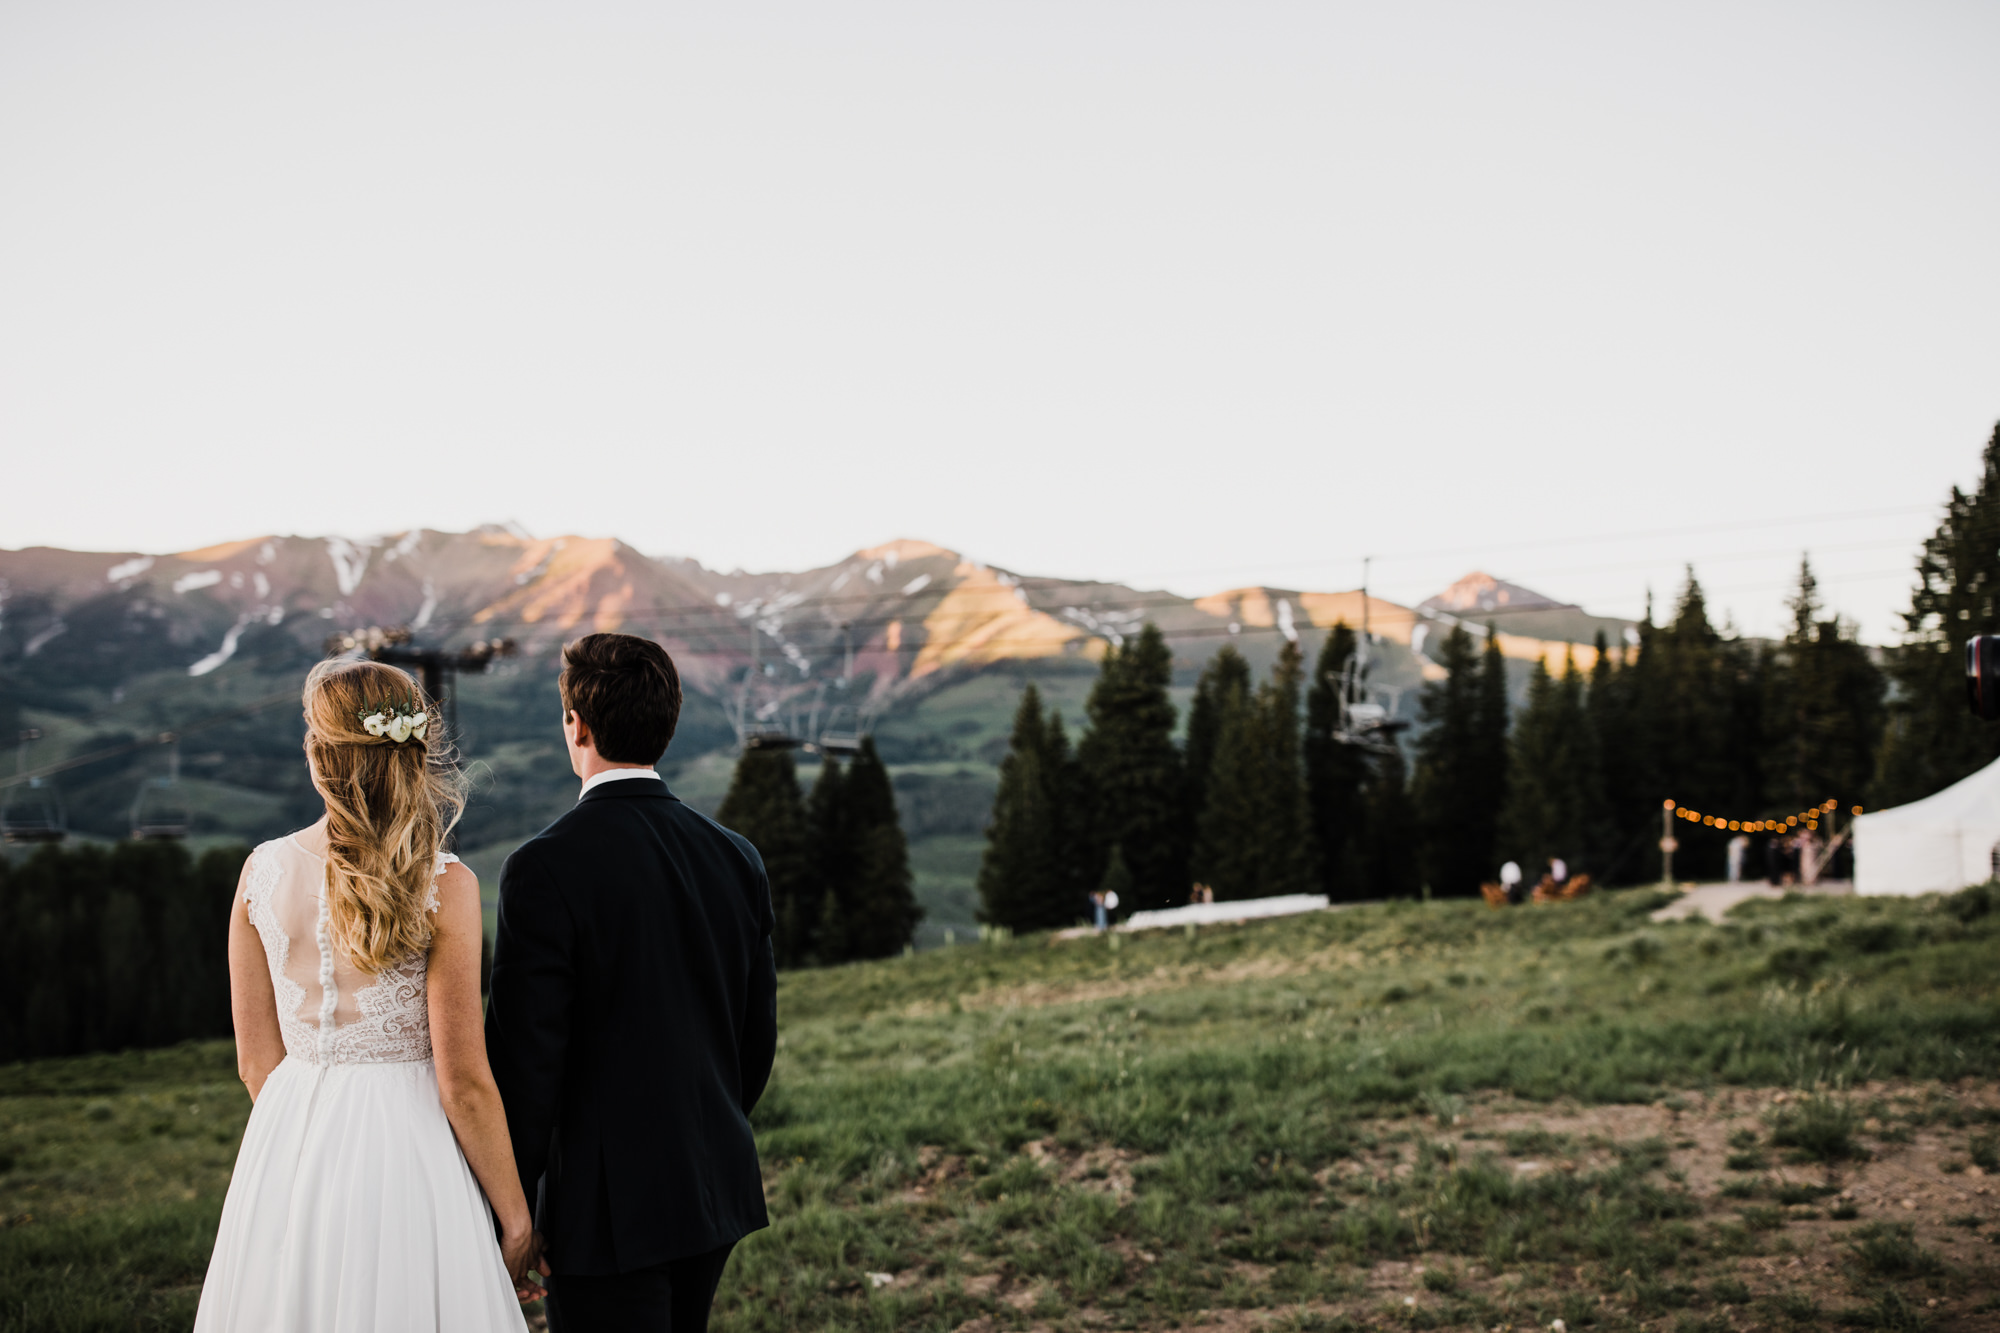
(522,1251)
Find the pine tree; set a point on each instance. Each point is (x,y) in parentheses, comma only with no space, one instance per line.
(764,805)
(1461,768)
(1226,674)
(1389,835)
(1132,771)
(880,914)
(1490,774)
(1549,773)
(1069,890)
(1286,826)
(1932,740)
(1027,874)
(1825,711)
(1687,688)
(832,847)
(1336,775)
(1616,842)
(1255,837)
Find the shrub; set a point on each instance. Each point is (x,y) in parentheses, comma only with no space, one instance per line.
(1817,1129)
(1795,962)
(1889,1249)
(1969,905)
(1873,936)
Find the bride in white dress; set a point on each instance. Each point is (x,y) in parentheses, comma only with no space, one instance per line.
(376,1159)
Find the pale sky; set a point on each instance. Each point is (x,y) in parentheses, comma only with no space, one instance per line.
(1190,295)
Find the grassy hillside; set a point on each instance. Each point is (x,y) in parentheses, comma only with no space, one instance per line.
(1412,1115)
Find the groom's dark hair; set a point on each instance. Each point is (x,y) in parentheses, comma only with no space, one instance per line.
(626,691)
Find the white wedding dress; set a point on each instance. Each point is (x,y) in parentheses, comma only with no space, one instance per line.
(351,1209)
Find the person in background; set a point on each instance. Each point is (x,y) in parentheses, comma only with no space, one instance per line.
(1097,911)
(1739,847)
(1510,880)
(1558,870)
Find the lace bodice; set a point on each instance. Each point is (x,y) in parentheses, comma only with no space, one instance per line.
(330,1011)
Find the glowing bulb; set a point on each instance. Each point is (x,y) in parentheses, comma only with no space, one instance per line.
(1857,809)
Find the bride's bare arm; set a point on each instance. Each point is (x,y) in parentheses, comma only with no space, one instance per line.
(465,1080)
(253,1004)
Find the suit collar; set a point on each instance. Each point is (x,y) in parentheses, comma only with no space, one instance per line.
(635,789)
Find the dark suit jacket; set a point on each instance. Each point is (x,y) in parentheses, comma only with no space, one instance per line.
(632,1026)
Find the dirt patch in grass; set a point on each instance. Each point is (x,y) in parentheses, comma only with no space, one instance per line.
(1902,1233)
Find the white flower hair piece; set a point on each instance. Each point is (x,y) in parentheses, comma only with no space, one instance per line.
(396,721)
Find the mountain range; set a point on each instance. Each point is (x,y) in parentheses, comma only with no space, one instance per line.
(893,619)
(131,668)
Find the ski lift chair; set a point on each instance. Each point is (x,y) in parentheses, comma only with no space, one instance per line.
(844,732)
(159,811)
(33,813)
(770,738)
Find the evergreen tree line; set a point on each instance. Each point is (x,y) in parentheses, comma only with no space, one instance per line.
(104,949)
(837,860)
(1257,800)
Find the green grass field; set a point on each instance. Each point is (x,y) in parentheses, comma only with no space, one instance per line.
(1404,1116)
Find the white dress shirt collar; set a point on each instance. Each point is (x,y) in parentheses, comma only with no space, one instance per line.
(616,775)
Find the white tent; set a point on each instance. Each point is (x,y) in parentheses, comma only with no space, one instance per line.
(1937,845)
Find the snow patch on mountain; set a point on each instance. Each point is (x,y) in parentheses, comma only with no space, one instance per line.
(207,578)
(429,607)
(228,648)
(350,562)
(34,645)
(1113,626)
(916,585)
(129,569)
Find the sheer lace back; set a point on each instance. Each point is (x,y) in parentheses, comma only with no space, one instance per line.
(330,1011)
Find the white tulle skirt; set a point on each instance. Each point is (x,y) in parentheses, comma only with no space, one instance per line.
(352,1210)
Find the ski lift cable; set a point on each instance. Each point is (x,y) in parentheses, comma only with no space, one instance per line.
(163,738)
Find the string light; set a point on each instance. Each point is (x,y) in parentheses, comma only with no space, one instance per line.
(1810,818)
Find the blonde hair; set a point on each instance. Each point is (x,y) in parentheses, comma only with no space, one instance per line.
(389,806)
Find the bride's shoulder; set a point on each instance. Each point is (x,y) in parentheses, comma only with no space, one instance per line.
(454,880)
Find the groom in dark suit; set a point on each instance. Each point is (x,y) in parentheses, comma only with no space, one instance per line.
(633,1018)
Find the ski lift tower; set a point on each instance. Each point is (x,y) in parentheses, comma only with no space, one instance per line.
(438,667)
